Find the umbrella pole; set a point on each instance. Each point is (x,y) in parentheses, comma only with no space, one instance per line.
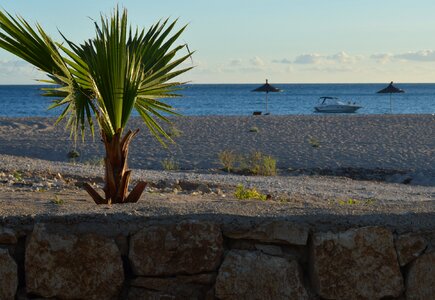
(266,101)
(391,105)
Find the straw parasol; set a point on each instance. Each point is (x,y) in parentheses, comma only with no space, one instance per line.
(267,88)
(390,89)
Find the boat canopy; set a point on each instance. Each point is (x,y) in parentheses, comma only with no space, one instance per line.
(323,99)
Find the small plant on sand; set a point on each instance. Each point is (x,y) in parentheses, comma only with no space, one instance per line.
(268,166)
(170,164)
(17,176)
(243,193)
(57,200)
(227,159)
(73,154)
(102,81)
(259,164)
(95,161)
(314,142)
(352,201)
(174,132)
(254,129)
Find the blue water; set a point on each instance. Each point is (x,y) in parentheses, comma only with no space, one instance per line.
(237,99)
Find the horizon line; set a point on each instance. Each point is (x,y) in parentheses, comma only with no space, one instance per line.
(236,83)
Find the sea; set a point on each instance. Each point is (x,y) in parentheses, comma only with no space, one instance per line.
(238,99)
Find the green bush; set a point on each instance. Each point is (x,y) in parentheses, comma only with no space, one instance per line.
(268,166)
(242,193)
(255,163)
(259,164)
(174,132)
(94,161)
(227,159)
(57,200)
(169,164)
(314,142)
(18,176)
(73,154)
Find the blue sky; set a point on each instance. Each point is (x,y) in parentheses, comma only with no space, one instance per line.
(287,41)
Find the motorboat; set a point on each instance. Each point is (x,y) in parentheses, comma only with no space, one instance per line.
(334,105)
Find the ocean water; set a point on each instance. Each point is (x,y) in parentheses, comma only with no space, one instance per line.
(237,99)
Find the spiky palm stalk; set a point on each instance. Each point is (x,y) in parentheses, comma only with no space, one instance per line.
(104,79)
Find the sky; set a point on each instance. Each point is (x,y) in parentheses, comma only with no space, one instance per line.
(286,41)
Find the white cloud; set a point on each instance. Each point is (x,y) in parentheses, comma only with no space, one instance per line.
(256,61)
(422,55)
(319,59)
(236,62)
(19,72)
(344,58)
(382,58)
(284,61)
(306,59)
(416,56)
(330,69)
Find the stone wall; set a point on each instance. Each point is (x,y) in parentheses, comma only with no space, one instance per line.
(200,259)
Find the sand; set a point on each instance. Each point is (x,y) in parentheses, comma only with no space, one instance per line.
(379,143)
(389,142)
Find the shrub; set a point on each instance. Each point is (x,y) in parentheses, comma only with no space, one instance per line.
(174,132)
(18,176)
(73,154)
(95,161)
(242,193)
(352,201)
(255,163)
(314,142)
(169,164)
(259,164)
(227,159)
(268,166)
(57,200)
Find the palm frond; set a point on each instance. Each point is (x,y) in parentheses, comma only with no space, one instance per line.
(37,48)
(108,76)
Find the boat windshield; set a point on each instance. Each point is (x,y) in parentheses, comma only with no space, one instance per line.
(324,100)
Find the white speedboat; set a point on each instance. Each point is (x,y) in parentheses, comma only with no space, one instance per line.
(334,105)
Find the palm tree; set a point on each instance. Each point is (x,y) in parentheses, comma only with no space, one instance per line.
(102,81)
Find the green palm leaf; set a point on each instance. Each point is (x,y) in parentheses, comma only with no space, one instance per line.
(108,76)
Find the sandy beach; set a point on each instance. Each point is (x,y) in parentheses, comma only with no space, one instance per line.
(395,145)
(389,142)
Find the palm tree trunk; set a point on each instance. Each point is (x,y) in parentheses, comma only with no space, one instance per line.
(117,175)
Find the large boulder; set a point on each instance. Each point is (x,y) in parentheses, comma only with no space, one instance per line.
(71,266)
(355,264)
(409,247)
(420,281)
(8,276)
(188,247)
(281,232)
(254,275)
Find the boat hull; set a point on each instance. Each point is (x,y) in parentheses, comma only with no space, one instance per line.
(337,108)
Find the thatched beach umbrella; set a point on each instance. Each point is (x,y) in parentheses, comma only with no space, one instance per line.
(390,89)
(267,88)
